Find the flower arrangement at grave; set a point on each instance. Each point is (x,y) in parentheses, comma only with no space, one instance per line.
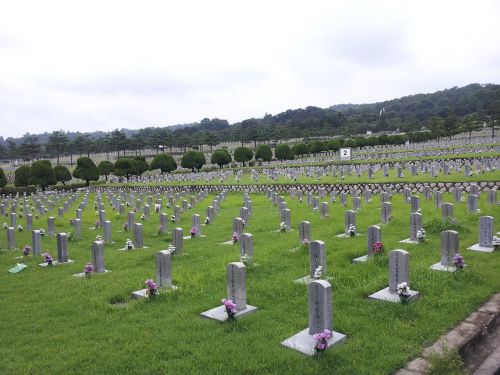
(143,217)
(98,237)
(189,206)
(88,269)
(26,250)
(70,236)
(245,259)
(403,291)
(305,242)
(235,237)
(42,232)
(322,340)
(20,216)
(172,218)
(207,220)
(458,261)
(97,224)
(377,248)
(352,230)
(20,228)
(316,209)
(282,227)
(129,245)
(318,273)
(171,248)
(151,288)
(125,227)
(48,259)
(5,226)
(421,235)
(230,308)
(193,232)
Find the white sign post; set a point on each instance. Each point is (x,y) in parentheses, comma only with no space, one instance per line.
(345,154)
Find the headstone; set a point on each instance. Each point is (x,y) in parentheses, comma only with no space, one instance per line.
(447,211)
(438,199)
(62,248)
(51,226)
(385,212)
(177,214)
(164,269)
(304,232)
(399,261)
(317,257)
(131,220)
(287,218)
(163,223)
(238,225)
(246,245)
(449,247)
(178,240)
(485,235)
(414,203)
(107,232)
(196,223)
(29,222)
(98,256)
(36,242)
(11,238)
(77,227)
(138,238)
(472,204)
(349,219)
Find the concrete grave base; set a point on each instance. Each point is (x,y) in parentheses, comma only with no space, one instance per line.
(56,263)
(134,248)
(410,241)
(439,267)
(138,294)
(230,242)
(82,274)
(219,313)
(189,237)
(304,342)
(484,249)
(385,295)
(308,279)
(343,235)
(362,259)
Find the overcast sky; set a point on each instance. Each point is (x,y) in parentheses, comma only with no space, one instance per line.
(101,65)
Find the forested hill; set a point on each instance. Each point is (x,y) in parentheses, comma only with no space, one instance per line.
(443,113)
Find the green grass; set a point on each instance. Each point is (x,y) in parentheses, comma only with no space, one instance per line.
(54,323)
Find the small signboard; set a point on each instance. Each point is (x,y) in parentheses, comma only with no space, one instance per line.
(345,154)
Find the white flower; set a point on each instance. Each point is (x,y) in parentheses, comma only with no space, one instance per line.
(5,226)
(403,289)
(318,272)
(282,226)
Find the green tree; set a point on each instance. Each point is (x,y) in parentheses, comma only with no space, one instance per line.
(62,174)
(42,174)
(316,147)
(193,160)
(221,157)
(165,163)
(300,149)
(57,143)
(243,154)
(3,179)
(125,167)
(22,176)
(283,152)
(141,165)
(86,170)
(264,152)
(105,168)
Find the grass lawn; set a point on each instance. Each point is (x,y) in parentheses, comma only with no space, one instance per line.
(54,323)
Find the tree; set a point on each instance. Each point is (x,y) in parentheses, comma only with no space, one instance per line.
(221,157)
(30,147)
(125,167)
(118,141)
(316,147)
(22,176)
(300,149)
(105,168)
(57,143)
(3,179)
(243,154)
(165,163)
(193,160)
(264,152)
(86,170)
(62,174)
(141,165)
(42,174)
(283,152)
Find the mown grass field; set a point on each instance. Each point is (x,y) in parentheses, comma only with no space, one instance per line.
(54,323)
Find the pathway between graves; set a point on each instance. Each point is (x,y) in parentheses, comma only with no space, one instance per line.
(477,340)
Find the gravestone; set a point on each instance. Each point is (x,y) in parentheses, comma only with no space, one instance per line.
(449,247)
(36,241)
(457,194)
(492,196)
(131,220)
(287,219)
(304,233)
(238,225)
(398,273)
(356,203)
(374,235)
(447,211)
(107,232)
(414,203)
(246,245)
(51,226)
(77,227)
(178,240)
(244,214)
(138,238)
(196,223)
(415,226)
(472,204)
(236,291)
(320,318)
(62,248)
(349,219)
(163,223)
(146,212)
(29,222)
(177,214)
(60,213)
(164,269)
(98,256)
(385,212)
(438,199)
(317,258)
(11,238)
(485,235)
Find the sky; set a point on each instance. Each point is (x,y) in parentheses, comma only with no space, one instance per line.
(101,65)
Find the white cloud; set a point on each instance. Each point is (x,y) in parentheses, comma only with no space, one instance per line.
(99,65)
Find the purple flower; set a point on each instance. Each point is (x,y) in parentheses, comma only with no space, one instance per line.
(48,258)
(235,237)
(322,339)
(230,307)
(194,231)
(459,261)
(26,250)
(88,269)
(125,226)
(151,288)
